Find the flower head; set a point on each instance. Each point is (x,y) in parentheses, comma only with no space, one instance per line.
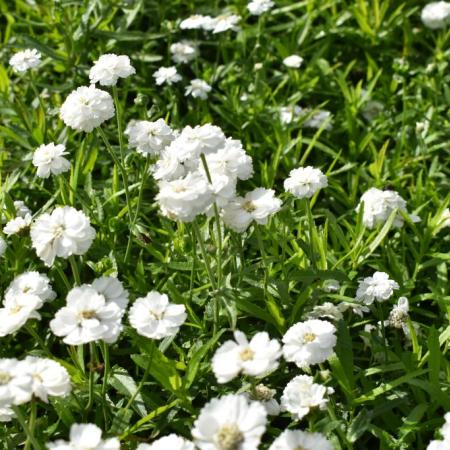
(16,225)
(310,342)
(258,7)
(170,442)
(87,108)
(149,138)
(109,68)
(154,317)
(304,182)
(301,395)
(198,89)
(231,422)
(378,287)
(15,385)
(293,61)
(298,439)
(168,75)
(49,159)
(196,22)
(64,232)
(257,205)
(256,358)
(25,60)
(183,52)
(436,15)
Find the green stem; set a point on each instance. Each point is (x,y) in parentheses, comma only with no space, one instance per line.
(383,331)
(310,232)
(75,272)
(121,168)
(106,368)
(92,352)
(31,423)
(138,207)
(63,277)
(264,257)
(29,433)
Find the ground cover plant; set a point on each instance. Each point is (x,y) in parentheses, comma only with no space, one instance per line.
(225,225)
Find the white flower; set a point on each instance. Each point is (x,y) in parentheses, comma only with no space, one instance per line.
(257,7)
(183,199)
(257,205)
(49,377)
(223,23)
(436,15)
(62,233)
(16,225)
(15,385)
(109,68)
(149,138)
(378,287)
(25,59)
(168,167)
(304,182)
(167,75)
(289,113)
(85,437)
(293,61)
(6,413)
(113,291)
(3,246)
(198,89)
(230,423)
(298,439)
(445,432)
(193,141)
(87,108)
(196,22)
(154,317)
(318,119)
(310,342)
(266,396)
(301,395)
(183,52)
(170,442)
(87,317)
(328,311)
(49,159)
(17,309)
(21,210)
(34,283)
(256,358)
(378,206)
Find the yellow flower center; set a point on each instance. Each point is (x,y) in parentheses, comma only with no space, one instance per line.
(229,437)
(309,337)
(247,354)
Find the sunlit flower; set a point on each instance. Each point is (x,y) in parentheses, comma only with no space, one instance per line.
(62,233)
(49,159)
(231,422)
(224,22)
(34,283)
(168,75)
(436,15)
(149,138)
(256,358)
(170,442)
(310,342)
(301,395)
(15,385)
(293,61)
(196,22)
(109,68)
(16,225)
(304,182)
(183,52)
(258,7)
(87,108)
(298,439)
(25,59)
(154,317)
(378,287)
(198,89)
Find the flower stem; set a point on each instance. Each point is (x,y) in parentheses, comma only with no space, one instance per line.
(75,272)
(27,427)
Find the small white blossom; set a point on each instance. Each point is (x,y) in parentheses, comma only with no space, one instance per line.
(258,7)
(289,113)
(328,311)
(257,206)
(15,386)
(16,225)
(87,317)
(256,358)
(198,89)
(154,317)
(378,287)
(25,59)
(196,22)
(185,198)
(301,395)
(298,439)
(436,15)
(183,52)
(49,377)
(149,138)
(379,205)
(49,159)
(310,342)
(34,283)
(6,413)
(109,68)
(62,233)
(168,75)
(87,108)
(170,442)
(168,167)
(304,182)
(85,437)
(293,61)
(113,291)
(224,22)
(231,422)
